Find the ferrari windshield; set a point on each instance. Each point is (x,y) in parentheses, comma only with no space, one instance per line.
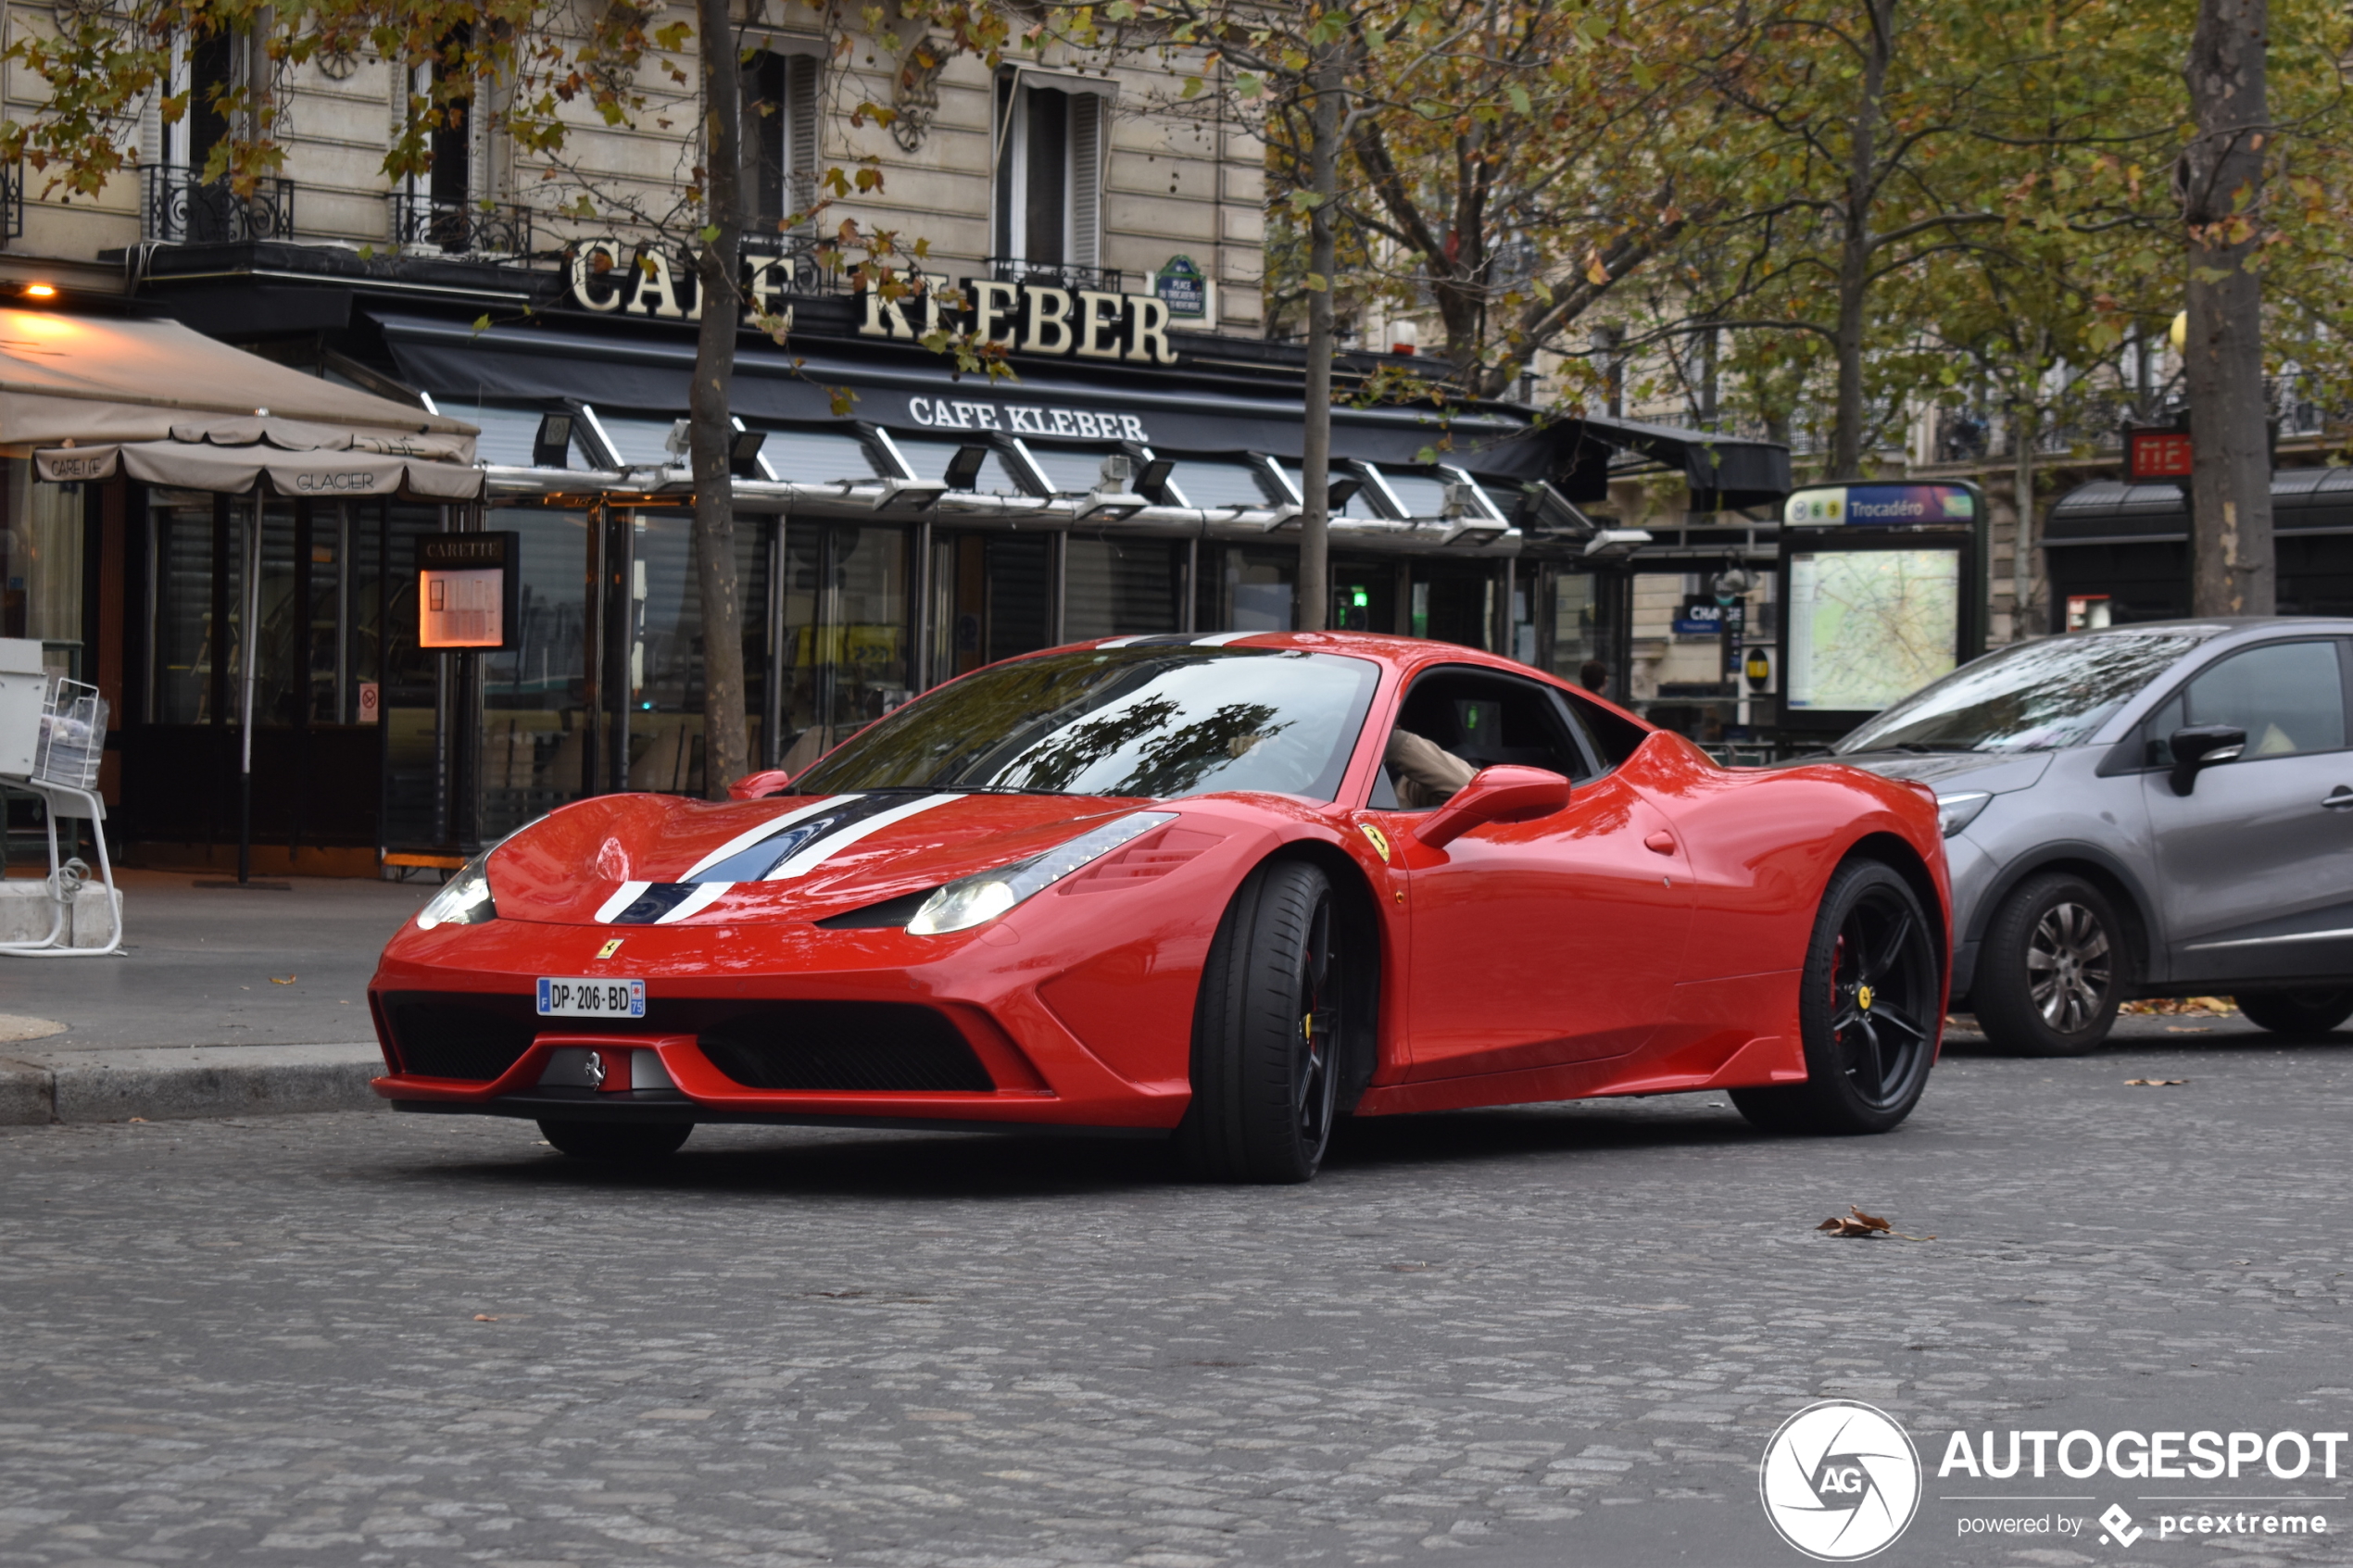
(1160,722)
(2030,696)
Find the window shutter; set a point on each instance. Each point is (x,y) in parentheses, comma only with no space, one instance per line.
(801,144)
(1085,227)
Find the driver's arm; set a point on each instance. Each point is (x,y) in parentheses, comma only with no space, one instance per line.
(1424,774)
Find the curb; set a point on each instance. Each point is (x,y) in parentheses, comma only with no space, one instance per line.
(38,1087)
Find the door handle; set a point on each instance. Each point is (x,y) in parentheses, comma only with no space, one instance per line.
(1663,843)
(2338,800)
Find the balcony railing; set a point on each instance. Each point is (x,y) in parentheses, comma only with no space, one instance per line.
(460,228)
(181,209)
(12,203)
(1059,274)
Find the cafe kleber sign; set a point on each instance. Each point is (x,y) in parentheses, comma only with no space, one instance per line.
(1025,318)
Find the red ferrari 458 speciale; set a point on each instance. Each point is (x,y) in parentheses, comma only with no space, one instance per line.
(1227,887)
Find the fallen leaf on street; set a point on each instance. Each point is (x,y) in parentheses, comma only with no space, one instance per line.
(287,980)
(2153,1083)
(485,1317)
(138,1118)
(1856,1223)
(2187,1029)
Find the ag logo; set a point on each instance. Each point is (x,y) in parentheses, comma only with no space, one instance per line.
(1840,1481)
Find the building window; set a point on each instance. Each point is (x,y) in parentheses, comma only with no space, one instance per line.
(1050,177)
(205,71)
(780,152)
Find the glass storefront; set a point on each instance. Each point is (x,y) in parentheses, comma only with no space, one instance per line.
(43,543)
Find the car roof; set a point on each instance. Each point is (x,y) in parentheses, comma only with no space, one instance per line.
(1385,647)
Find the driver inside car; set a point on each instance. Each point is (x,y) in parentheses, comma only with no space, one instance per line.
(1424,774)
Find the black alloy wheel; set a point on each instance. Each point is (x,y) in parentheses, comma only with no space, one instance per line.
(618,1142)
(1268,1031)
(2297,1014)
(2050,974)
(1869,1007)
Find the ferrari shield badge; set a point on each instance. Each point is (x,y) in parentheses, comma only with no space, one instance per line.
(609,948)
(1380,839)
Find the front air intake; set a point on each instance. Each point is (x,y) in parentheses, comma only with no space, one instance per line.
(447,1036)
(872,1047)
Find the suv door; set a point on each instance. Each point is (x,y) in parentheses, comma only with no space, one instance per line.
(2255,863)
(1539,943)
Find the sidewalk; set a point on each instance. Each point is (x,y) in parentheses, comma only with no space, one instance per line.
(229,1001)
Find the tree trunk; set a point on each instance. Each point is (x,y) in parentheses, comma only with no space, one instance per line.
(1856,243)
(2030,418)
(725,754)
(2232,570)
(1324,81)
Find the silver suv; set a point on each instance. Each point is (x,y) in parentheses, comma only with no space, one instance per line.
(2151,810)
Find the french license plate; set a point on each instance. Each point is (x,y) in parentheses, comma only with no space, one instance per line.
(592,998)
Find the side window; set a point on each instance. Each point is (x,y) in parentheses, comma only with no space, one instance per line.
(1476,721)
(1614,738)
(2289,698)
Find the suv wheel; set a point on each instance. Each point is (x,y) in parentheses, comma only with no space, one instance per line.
(2300,1014)
(2052,968)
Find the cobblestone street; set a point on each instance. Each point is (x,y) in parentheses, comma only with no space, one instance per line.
(1552,1335)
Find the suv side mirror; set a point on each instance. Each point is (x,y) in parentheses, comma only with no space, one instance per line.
(751,787)
(1503,794)
(2202,745)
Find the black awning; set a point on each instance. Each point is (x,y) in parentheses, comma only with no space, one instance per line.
(913,390)
(2107,511)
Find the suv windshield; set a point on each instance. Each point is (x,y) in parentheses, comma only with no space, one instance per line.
(2031,696)
(1160,722)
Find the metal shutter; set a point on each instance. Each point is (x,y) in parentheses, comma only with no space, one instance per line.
(802,91)
(1086,228)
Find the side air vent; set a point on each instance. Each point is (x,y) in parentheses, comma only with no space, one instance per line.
(446,1037)
(887,1047)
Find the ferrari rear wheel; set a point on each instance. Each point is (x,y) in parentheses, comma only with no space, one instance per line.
(2297,1014)
(1267,1031)
(617,1141)
(1868,1006)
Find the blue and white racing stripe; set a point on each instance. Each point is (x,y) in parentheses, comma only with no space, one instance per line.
(816,852)
(790,845)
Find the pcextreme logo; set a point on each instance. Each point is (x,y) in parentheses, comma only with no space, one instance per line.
(1840,1481)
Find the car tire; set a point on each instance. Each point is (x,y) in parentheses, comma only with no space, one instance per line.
(2052,969)
(617,1142)
(1869,1007)
(1268,1029)
(2297,1014)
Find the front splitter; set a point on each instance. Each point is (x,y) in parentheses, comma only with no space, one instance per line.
(668,1105)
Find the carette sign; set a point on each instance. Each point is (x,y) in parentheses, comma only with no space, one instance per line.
(1041,319)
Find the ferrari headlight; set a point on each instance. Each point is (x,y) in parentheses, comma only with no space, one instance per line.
(1955,813)
(464,899)
(975,899)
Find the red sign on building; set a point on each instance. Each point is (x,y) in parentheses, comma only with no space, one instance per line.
(2156,453)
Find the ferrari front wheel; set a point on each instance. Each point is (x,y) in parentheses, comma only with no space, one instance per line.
(616,1141)
(1869,1007)
(1267,1031)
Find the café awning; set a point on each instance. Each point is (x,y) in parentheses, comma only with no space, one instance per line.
(95,381)
(333,473)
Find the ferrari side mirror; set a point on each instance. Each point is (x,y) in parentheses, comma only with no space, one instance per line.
(1495,794)
(751,787)
(2202,745)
